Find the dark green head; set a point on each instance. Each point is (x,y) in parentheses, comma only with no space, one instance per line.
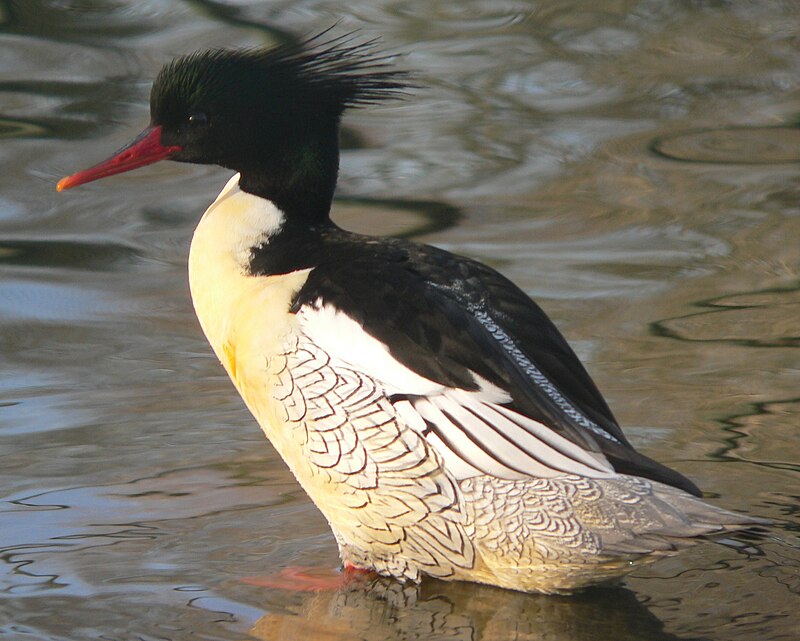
(234,107)
(271,114)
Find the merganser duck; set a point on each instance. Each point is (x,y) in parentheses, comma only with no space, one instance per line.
(429,408)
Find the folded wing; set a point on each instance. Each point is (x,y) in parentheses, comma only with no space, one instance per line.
(470,361)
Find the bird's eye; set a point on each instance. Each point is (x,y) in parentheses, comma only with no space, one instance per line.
(197,119)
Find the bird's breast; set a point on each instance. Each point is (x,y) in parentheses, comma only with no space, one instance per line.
(244,317)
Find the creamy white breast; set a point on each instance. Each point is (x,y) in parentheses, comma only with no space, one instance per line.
(235,308)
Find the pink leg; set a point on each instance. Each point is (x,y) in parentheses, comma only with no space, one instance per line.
(301,579)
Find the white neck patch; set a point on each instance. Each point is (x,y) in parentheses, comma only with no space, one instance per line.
(237,221)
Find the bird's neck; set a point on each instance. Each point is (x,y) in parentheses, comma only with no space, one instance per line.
(220,276)
(299,180)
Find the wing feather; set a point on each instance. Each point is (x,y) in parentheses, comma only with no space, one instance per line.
(428,325)
(470,430)
(465,445)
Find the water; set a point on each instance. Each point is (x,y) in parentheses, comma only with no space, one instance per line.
(633,165)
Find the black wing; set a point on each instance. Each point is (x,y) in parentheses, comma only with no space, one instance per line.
(448,318)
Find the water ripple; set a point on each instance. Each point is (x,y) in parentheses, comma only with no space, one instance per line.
(733,145)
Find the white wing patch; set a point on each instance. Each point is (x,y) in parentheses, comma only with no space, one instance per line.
(342,338)
(472,431)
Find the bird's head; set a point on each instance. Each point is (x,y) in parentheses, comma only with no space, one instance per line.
(271,114)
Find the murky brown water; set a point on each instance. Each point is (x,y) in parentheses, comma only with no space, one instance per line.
(632,164)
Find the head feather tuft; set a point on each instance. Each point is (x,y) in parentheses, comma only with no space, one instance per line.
(317,76)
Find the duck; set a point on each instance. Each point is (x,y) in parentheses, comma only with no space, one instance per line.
(429,407)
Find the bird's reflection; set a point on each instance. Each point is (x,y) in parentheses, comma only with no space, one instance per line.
(381,609)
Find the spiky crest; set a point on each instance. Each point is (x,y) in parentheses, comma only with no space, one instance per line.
(315,75)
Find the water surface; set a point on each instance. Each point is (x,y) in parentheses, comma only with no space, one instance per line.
(632,165)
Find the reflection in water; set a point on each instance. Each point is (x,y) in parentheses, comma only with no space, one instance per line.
(67,254)
(15,127)
(378,609)
(741,145)
(761,318)
(231,14)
